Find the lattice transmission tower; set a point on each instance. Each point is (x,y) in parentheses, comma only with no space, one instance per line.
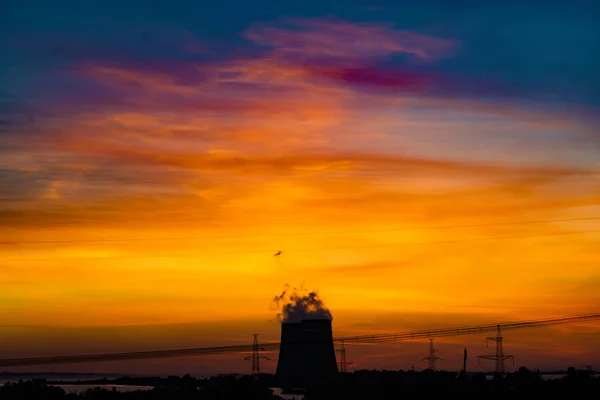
(343,363)
(432,358)
(255,357)
(499,357)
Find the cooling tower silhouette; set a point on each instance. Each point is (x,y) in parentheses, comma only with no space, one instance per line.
(306,353)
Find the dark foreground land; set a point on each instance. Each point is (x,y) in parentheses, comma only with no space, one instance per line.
(523,384)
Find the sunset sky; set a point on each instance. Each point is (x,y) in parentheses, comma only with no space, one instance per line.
(420,164)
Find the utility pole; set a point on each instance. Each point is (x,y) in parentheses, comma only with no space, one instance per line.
(343,363)
(432,357)
(465,362)
(499,357)
(255,357)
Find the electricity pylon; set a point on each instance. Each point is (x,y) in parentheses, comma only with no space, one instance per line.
(255,357)
(432,357)
(343,363)
(499,357)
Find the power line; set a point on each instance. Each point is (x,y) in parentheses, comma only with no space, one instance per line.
(139,239)
(365,339)
(168,255)
(452,241)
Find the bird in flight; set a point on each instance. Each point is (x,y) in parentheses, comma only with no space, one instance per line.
(277,254)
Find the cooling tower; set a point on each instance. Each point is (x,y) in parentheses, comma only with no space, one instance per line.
(306,353)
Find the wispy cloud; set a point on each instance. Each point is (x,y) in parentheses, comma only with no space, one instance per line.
(340,39)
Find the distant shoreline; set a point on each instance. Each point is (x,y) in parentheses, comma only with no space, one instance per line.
(62,378)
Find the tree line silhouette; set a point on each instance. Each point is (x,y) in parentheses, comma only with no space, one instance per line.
(364,384)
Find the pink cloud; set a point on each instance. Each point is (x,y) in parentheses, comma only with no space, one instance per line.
(399,80)
(334,38)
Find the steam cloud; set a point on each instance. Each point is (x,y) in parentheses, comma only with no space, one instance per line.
(297,304)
